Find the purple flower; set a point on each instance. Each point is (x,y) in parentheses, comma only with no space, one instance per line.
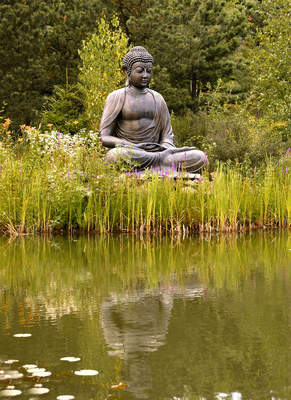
(58,134)
(68,175)
(288,151)
(282,171)
(200,179)
(206,160)
(88,189)
(20,169)
(173,167)
(255,171)
(286,170)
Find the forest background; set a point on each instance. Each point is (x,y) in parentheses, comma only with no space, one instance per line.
(223,67)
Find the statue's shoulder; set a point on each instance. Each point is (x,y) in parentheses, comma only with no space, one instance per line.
(156,95)
(117,93)
(159,98)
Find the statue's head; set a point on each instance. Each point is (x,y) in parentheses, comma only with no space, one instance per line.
(138,64)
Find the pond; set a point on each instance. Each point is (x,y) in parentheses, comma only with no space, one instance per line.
(199,318)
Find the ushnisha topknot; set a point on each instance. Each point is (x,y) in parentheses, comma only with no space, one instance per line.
(136,54)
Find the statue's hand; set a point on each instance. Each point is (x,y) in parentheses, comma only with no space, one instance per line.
(173,150)
(150,146)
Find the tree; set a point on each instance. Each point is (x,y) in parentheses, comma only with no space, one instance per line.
(193,42)
(39,41)
(100,71)
(270,60)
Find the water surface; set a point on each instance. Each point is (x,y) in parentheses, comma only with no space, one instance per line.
(200,318)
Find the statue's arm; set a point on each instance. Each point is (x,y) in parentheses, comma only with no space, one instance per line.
(167,136)
(109,140)
(112,108)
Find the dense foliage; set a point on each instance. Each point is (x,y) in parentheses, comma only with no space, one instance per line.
(56,182)
(193,42)
(39,43)
(222,66)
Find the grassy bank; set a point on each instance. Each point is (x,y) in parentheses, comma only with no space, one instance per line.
(54,182)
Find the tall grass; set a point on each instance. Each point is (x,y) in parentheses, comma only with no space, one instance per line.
(67,186)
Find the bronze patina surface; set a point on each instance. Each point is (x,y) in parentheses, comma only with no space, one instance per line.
(136,125)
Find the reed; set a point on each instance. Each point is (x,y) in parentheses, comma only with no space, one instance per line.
(66,186)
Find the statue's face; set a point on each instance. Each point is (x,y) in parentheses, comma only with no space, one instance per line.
(141,74)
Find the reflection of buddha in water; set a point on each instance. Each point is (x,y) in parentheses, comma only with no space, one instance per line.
(136,325)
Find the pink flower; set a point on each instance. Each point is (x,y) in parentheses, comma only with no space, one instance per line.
(200,179)
(206,160)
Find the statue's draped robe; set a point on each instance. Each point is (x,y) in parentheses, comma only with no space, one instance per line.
(158,134)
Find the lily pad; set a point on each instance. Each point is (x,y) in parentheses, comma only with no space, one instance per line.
(35,369)
(22,335)
(9,392)
(41,374)
(38,390)
(86,372)
(29,366)
(70,359)
(15,374)
(10,361)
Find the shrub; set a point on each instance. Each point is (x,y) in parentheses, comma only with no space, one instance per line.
(232,134)
(65,110)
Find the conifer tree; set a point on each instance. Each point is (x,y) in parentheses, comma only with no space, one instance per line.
(193,42)
(39,41)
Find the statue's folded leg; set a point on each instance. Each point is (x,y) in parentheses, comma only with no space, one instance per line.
(140,158)
(190,160)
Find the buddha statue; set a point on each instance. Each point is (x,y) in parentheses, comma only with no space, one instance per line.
(136,125)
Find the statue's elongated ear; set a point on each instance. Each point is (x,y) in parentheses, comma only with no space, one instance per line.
(124,70)
(127,79)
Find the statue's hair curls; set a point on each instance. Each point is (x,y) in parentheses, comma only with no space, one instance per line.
(136,54)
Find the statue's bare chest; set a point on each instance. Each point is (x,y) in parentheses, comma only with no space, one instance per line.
(136,107)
